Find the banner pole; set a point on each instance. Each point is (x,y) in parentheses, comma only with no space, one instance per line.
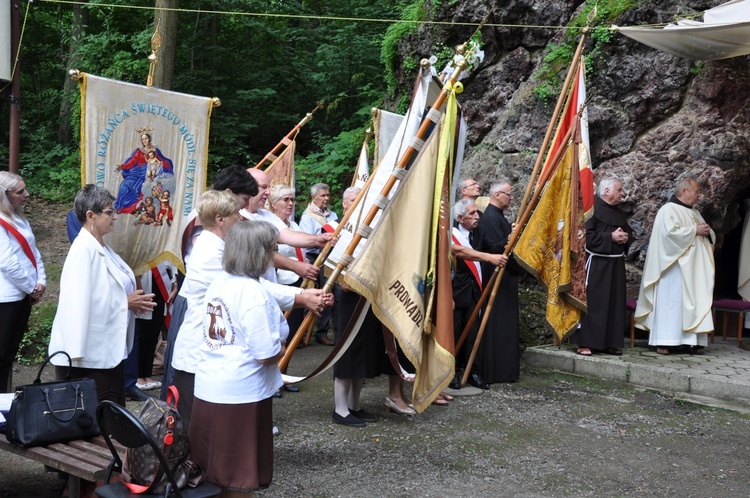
(285,141)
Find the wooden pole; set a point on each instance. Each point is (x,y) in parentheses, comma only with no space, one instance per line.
(515,234)
(285,141)
(409,155)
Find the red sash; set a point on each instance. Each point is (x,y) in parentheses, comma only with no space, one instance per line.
(162,286)
(469,264)
(21,240)
(299,253)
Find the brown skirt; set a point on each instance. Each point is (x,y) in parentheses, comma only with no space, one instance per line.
(233,444)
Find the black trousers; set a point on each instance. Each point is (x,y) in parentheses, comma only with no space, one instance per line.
(14,320)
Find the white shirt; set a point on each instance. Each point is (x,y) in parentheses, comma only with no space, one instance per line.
(242,324)
(18,277)
(288,277)
(204,268)
(462,235)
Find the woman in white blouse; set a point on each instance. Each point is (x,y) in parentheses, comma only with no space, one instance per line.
(22,278)
(95,316)
(237,372)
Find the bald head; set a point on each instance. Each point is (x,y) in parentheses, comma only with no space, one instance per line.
(258,202)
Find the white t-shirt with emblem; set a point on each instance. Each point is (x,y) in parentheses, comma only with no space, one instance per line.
(242,324)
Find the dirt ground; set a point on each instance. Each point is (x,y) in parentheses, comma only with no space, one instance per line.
(548,435)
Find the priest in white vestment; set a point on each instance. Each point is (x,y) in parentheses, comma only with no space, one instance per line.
(676,293)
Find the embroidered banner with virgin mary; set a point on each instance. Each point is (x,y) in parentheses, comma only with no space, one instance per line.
(149,148)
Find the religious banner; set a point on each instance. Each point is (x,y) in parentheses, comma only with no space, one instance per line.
(149,148)
(577,102)
(552,245)
(362,174)
(391,272)
(281,170)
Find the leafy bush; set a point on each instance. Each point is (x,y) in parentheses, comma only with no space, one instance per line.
(34,344)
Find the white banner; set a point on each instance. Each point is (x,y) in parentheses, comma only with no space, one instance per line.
(149,148)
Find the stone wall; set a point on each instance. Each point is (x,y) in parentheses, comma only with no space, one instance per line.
(654,118)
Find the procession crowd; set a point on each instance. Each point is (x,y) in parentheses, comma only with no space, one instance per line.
(246,260)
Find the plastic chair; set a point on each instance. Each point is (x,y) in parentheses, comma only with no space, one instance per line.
(118,423)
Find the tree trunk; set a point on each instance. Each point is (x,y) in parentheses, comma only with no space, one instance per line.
(166,24)
(78,32)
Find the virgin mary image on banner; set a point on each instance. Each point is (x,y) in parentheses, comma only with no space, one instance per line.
(145,166)
(149,148)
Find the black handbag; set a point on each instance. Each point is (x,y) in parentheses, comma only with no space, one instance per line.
(52,412)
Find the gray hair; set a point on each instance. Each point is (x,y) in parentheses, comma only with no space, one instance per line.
(278,191)
(91,198)
(460,207)
(352,190)
(249,248)
(215,203)
(318,187)
(498,184)
(462,184)
(8,182)
(607,183)
(685,183)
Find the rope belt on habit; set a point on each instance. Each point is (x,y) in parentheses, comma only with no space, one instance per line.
(591,255)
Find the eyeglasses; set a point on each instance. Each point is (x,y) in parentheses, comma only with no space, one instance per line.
(471,185)
(287,199)
(509,194)
(108,212)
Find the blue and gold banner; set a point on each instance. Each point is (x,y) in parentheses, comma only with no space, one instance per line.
(149,148)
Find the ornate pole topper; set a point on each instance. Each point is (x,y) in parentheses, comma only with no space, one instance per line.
(153,59)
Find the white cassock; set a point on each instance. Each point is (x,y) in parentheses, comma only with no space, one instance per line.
(676,292)
(743,279)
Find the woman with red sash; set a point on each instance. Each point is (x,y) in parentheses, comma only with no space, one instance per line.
(22,277)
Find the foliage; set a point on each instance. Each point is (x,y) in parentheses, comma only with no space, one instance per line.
(334,165)
(268,71)
(558,56)
(33,347)
(411,15)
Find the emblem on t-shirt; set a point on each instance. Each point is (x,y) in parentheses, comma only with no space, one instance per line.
(219,330)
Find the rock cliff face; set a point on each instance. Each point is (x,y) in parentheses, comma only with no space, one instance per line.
(654,118)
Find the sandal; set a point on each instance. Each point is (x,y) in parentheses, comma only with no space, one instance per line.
(440,402)
(584,351)
(446,396)
(662,350)
(613,351)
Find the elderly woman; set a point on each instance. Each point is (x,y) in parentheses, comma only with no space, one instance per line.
(95,316)
(218,210)
(22,277)
(243,340)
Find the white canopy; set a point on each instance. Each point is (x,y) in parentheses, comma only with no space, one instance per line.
(724,32)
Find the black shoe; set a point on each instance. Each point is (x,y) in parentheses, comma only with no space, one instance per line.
(349,420)
(290,388)
(135,394)
(277,394)
(456,382)
(364,416)
(477,381)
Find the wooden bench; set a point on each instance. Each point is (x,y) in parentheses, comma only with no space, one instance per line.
(81,459)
